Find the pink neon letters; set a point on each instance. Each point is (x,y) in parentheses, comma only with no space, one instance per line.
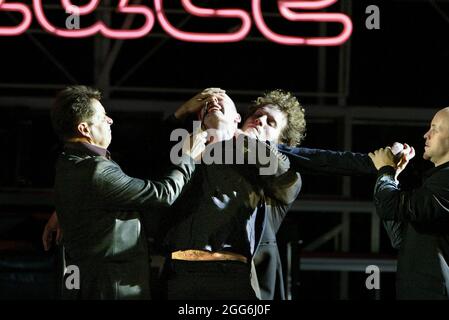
(286,8)
(22,26)
(123,7)
(207,13)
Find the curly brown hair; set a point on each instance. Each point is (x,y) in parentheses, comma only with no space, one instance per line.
(295,130)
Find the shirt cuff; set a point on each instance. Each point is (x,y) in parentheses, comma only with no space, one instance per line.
(187,160)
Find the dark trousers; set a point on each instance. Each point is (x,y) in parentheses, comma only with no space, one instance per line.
(208,280)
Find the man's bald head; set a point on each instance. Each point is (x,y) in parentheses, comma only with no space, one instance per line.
(437,138)
(445,111)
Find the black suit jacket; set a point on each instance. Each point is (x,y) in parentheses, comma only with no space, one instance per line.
(417,223)
(98,208)
(304,160)
(267,262)
(216,209)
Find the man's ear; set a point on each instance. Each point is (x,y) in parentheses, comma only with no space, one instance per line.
(238,118)
(83,129)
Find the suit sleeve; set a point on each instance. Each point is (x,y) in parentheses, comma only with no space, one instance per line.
(317,161)
(278,211)
(278,180)
(284,188)
(113,188)
(395,231)
(428,203)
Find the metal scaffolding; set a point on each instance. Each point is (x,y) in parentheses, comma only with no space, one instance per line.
(105,53)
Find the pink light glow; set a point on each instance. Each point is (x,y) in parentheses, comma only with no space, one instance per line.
(81,10)
(21,27)
(307,5)
(123,7)
(285,10)
(97,27)
(207,13)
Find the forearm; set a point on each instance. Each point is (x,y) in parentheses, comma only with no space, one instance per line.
(395,231)
(387,196)
(115,189)
(175,180)
(317,161)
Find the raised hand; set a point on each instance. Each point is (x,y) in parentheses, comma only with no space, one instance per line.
(383,157)
(406,155)
(198,101)
(51,227)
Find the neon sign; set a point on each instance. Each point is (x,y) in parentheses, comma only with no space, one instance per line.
(288,10)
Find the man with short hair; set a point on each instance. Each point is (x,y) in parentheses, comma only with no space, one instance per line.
(98,204)
(418,221)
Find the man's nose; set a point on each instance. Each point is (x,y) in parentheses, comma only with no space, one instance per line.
(109,121)
(261,120)
(212,101)
(426,135)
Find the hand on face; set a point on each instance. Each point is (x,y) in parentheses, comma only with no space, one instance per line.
(195,104)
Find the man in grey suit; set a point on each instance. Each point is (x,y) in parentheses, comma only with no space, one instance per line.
(98,204)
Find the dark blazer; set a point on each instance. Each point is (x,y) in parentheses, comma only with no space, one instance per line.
(311,161)
(216,209)
(98,208)
(417,223)
(271,212)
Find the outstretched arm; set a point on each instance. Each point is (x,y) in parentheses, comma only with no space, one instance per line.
(318,161)
(113,188)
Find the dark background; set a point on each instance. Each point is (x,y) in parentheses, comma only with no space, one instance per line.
(402,66)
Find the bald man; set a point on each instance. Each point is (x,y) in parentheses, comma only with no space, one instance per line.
(215,226)
(418,221)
